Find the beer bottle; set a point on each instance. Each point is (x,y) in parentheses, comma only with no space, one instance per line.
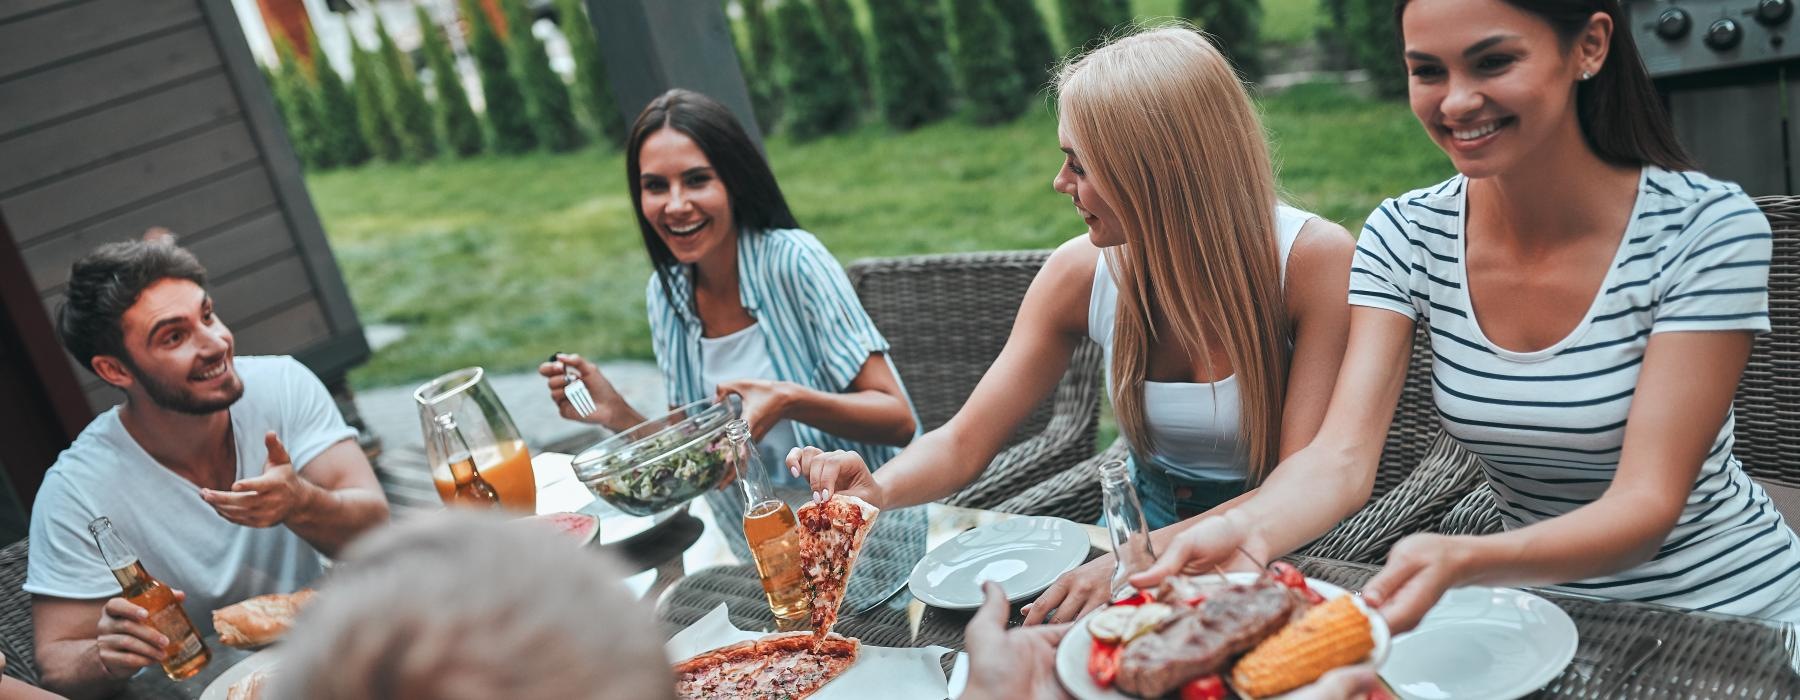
(185,654)
(771,530)
(470,488)
(1125,523)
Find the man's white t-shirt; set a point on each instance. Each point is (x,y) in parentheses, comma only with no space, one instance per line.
(177,536)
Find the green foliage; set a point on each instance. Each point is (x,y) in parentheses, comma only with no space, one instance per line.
(546,97)
(456,122)
(1085,22)
(407,109)
(371,108)
(600,111)
(912,82)
(819,98)
(1032,53)
(760,67)
(983,59)
(337,110)
(1234,26)
(1375,44)
(840,27)
(509,125)
(299,99)
(416,243)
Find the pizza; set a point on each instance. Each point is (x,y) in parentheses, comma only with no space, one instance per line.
(831,534)
(784,666)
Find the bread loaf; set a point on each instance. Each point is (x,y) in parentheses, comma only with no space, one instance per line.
(259,620)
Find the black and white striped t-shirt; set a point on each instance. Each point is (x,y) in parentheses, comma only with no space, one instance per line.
(1549,424)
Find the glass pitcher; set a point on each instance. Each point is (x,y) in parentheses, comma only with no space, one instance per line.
(472,446)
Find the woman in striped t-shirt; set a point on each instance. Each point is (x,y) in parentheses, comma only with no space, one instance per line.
(742,301)
(1591,302)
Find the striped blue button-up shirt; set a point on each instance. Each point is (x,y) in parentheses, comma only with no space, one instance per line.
(815,329)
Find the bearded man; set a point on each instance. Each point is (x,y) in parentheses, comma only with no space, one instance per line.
(229,476)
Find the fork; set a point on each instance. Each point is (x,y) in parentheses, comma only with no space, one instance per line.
(576,391)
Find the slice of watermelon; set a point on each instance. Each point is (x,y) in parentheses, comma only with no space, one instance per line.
(580,527)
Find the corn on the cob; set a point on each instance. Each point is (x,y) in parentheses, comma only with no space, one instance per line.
(1331,634)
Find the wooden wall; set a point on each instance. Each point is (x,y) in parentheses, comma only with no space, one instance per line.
(119,115)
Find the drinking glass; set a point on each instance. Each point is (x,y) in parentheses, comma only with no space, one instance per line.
(473,448)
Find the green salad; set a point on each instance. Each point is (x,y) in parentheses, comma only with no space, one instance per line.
(658,473)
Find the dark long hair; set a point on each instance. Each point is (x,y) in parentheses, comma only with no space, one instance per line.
(756,201)
(1622,118)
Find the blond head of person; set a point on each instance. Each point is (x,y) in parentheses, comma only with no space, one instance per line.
(457,605)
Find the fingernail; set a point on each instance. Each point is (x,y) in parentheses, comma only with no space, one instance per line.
(794,470)
(816,496)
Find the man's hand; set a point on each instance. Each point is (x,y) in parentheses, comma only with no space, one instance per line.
(126,642)
(268,499)
(1015,663)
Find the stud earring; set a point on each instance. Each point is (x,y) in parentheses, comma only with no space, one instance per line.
(1586,75)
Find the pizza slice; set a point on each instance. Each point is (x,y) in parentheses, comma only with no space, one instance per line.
(831,534)
(789,665)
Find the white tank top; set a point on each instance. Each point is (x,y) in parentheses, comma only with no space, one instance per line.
(1195,425)
(745,355)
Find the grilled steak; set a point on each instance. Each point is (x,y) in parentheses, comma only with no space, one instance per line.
(1203,640)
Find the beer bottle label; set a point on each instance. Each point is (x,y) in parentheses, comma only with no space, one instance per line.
(173,623)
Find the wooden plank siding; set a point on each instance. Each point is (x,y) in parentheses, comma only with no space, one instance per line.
(125,129)
(119,115)
(51,37)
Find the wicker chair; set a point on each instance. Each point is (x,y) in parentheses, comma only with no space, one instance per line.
(1422,476)
(16,640)
(1768,422)
(946,317)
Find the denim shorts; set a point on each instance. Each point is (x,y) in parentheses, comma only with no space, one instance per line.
(1168,499)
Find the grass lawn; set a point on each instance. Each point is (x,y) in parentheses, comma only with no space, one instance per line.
(498,262)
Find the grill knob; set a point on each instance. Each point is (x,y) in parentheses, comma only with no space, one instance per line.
(1773,12)
(1673,23)
(1724,35)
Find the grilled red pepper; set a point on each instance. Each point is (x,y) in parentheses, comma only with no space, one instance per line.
(1103,663)
(1204,688)
(1291,577)
(1138,598)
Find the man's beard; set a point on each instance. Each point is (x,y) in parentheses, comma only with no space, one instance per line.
(176,398)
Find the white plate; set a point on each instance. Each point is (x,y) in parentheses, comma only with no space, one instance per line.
(1072,654)
(1023,555)
(1482,643)
(220,686)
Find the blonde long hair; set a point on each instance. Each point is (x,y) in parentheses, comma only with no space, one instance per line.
(1162,122)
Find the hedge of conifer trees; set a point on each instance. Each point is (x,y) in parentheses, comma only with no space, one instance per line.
(1233,25)
(809,65)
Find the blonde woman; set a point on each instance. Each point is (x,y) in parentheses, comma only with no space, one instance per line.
(1216,368)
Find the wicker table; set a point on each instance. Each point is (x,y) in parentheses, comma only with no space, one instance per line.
(1702,655)
(696,560)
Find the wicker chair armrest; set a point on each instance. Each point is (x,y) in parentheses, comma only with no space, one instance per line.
(1073,493)
(1444,476)
(16,640)
(1475,514)
(1067,439)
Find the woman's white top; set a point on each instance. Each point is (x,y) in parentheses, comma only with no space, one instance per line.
(1194,424)
(745,355)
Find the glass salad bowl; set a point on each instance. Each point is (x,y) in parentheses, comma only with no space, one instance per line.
(663,462)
